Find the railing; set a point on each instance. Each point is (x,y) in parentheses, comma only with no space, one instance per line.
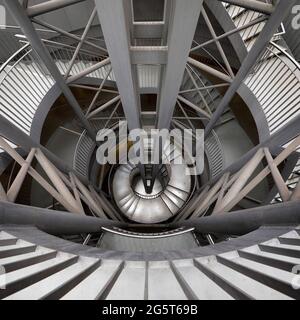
(215,154)
(275,79)
(23,84)
(209,96)
(242,17)
(86,146)
(213,150)
(276,85)
(62,54)
(157,235)
(11,40)
(25,81)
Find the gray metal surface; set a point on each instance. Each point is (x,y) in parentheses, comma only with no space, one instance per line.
(262,271)
(166,199)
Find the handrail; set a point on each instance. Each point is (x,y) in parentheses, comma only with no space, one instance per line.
(5,64)
(161,235)
(284,52)
(49,43)
(25,80)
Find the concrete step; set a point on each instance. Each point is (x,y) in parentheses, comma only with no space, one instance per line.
(57,284)
(6,239)
(20,247)
(22,278)
(238,284)
(24,260)
(162,282)
(272,259)
(131,283)
(278,280)
(200,286)
(284,249)
(104,276)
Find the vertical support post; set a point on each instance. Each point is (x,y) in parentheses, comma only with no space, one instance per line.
(116,21)
(184,17)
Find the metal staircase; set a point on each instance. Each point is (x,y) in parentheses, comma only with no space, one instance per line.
(262,271)
(172,264)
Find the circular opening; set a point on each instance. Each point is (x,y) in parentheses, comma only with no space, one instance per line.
(138,188)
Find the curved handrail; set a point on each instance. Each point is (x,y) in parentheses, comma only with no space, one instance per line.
(275,81)
(5,64)
(25,81)
(160,235)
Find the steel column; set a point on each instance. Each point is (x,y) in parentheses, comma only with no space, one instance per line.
(116,23)
(184,17)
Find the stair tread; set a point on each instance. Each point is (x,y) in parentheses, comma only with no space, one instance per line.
(132,276)
(7,241)
(45,287)
(162,283)
(291,235)
(31,270)
(17,248)
(242,282)
(275,273)
(283,246)
(4,235)
(202,286)
(26,256)
(92,287)
(275,256)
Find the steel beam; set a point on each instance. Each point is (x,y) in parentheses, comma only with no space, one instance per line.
(279,138)
(281,10)
(205,68)
(25,142)
(52,222)
(248,220)
(116,23)
(49,6)
(296,192)
(149,55)
(184,17)
(87,71)
(148,29)
(20,16)
(231,32)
